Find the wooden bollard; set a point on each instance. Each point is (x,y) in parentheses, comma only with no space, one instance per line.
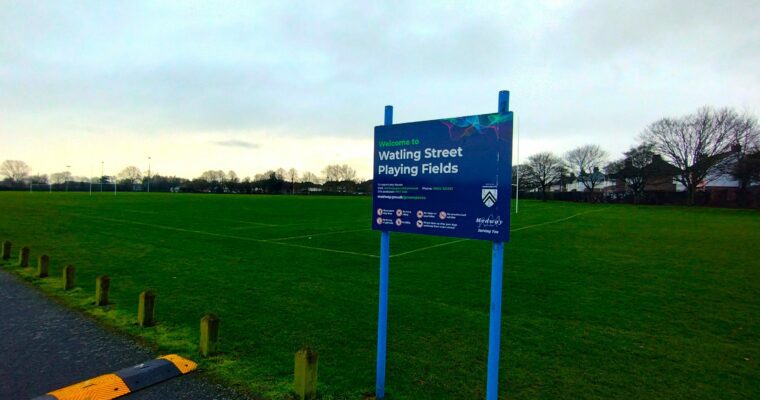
(23,257)
(146,309)
(305,384)
(6,250)
(102,284)
(68,277)
(42,266)
(209,335)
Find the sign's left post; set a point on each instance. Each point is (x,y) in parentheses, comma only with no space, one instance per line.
(382,317)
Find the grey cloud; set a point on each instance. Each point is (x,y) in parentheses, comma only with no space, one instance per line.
(236,143)
(590,70)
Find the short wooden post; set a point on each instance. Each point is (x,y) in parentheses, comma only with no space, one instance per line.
(6,250)
(42,266)
(23,257)
(68,277)
(305,384)
(146,309)
(209,334)
(102,284)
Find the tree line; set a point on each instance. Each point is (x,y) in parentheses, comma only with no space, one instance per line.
(333,178)
(694,149)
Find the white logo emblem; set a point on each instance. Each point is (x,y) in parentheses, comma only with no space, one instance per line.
(489,195)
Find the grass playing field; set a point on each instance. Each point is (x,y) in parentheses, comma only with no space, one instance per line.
(600,301)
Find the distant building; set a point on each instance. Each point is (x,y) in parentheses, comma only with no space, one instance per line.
(602,184)
(660,176)
(724,183)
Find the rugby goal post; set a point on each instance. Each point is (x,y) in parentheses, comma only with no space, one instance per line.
(105,184)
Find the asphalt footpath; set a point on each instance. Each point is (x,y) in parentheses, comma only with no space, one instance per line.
(44,347)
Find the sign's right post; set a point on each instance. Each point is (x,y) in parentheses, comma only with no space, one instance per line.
(497,269)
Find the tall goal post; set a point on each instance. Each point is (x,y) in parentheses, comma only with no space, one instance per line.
(101,184)
(107,184)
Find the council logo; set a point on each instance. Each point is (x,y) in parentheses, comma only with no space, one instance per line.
(489,194)
(489,222)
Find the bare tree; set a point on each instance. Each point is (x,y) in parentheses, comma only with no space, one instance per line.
(747,171)
(347,173)
(130,175)
(586,161)
(697,143)
(38,179)
(60,177)
(309,177)
(231,180)
(330,173)
(745,141)
(213,176)
(339,173)
(292,175)
(15,170)
(632,168)
(543,170)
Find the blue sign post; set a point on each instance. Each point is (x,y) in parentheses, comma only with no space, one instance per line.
(448,177)
(382,319)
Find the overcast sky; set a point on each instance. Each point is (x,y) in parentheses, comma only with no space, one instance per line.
(251,86)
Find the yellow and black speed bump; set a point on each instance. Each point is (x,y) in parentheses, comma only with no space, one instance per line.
(125,381)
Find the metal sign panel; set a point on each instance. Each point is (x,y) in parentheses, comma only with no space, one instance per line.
(448,177)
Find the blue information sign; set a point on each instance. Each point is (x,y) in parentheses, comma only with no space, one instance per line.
(447,177)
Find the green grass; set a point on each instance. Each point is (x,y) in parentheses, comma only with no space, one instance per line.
(616,302)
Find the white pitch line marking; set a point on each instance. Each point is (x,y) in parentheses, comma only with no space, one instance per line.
(243,228)
(323,224)
(428,247)
(246,222)
(556,220)
(511,230)
(321,234)
(220,235)
(141,212)
(278,241)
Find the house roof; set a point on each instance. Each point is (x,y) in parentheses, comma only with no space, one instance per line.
(660,167)
(657,168)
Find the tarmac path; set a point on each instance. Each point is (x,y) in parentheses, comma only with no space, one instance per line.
(44,347)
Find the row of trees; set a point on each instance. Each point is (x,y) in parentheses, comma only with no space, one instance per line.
(334,177)
(698,147)
(17,172)
(544,170)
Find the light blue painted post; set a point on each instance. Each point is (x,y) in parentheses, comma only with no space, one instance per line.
(497,270)
(503,101)
(494,333)
(382,318)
